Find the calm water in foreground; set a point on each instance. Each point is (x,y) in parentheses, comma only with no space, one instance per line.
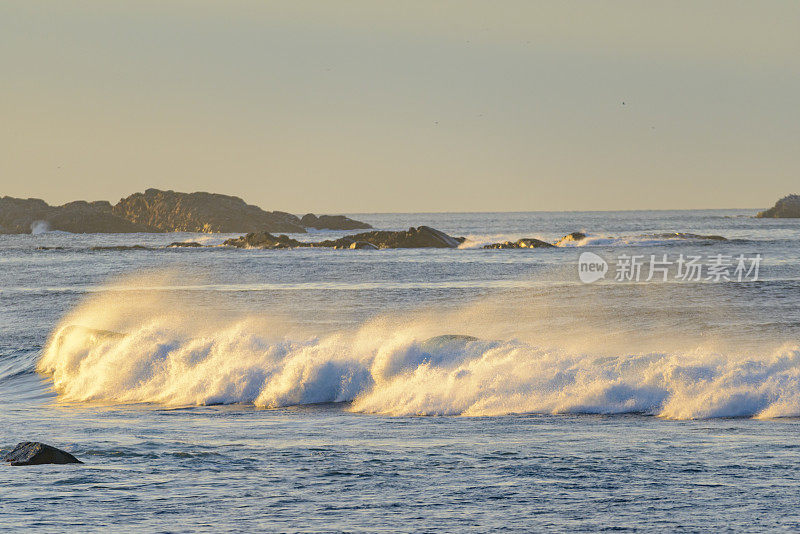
(299,390)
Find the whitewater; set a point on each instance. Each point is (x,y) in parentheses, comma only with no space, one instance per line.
(394,365)
(488,389)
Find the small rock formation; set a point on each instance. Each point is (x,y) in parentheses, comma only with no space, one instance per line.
(522,243)
(35,453)
(332,222)
(574,237)
(421,237)
(788,207)
(362,245)
(263,240)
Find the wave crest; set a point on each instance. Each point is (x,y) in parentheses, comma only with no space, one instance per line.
(399,376)
(177,356)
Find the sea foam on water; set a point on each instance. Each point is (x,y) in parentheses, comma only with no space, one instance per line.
(125,345)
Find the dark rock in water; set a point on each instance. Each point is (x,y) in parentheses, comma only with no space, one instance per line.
(263,240)
(184,244)
(574,237)
(421,237)
(522,243)
(169,211)
(787,207)
(332,222)
(362,245)
(35,453)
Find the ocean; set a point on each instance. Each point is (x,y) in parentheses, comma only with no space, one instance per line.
(424,390)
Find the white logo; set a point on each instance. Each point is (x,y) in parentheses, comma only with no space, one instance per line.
(591,267)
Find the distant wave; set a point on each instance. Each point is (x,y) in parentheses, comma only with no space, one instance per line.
(594,240)
(174,358)
(643,240)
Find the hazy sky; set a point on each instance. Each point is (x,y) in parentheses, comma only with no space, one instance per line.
(404,106)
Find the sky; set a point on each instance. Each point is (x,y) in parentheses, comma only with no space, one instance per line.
(353,107)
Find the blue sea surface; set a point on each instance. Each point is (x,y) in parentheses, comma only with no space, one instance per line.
(301,390)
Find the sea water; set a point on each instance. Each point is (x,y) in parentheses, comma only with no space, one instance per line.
(406,390)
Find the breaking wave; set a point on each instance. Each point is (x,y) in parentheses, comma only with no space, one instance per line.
(644,240)
(132,350)
(581,239)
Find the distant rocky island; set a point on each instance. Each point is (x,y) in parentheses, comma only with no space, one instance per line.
(160,211)
(788,207)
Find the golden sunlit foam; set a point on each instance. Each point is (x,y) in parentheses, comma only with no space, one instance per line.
(139,342)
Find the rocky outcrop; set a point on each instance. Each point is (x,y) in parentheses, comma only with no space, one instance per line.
(264,240)
(522,243)
(159,211)
(35,453)
(421,237)
(23,216)
(168,211)
(332,222)
(787,207)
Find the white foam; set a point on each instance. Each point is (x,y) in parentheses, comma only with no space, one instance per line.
(176,358)
(479,240)
(632,241)
(591,240)
(40,227)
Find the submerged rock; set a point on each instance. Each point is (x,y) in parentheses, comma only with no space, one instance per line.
(788,207)
(332,222)
(35,453)
(522,243)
